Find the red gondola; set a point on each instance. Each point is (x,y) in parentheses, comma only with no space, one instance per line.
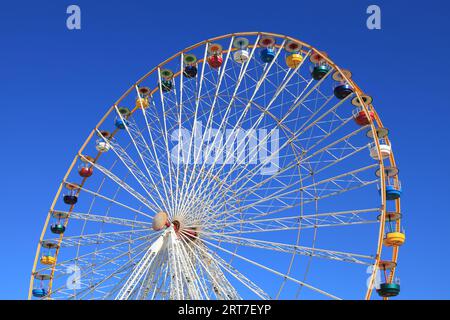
(215,61)
(360,117)
(85,169)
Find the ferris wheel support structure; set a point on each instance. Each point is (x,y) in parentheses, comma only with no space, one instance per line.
(186,256)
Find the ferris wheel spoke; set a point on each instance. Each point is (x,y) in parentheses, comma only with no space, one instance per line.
(166,140)
(96,267)
(335,143)
(239,147)
(87,258)
(336,159)
(305,152)
(298,133)
(222,288)
(225,117)
(91,239)
(137,140)
(301,98)
(324,136)
(176,270)
(211,257)
(201,267)
(336,181)
(149,156)
(284,276)
(339,190)
(307,125)
(319,220)
(338,186)
(153,277)
(104,219)
(187,284)
(189,278)
(103,276)
(154,280)
(111,200)
(143,266)
(161,288)
(106,213)
(124,186)
(195,285)
(205,279)
(211,113)
(156,157)
(129,256)
(311,197)
(125,268)
(132,167)
(292,249)
(238,123)
(177,176)
(108,295)
(330,163)
(255,170)
(194,126)
(265,111)
(184,190)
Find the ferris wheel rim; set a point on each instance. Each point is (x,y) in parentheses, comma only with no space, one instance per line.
(358,92)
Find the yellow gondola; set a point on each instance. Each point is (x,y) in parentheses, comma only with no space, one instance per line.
(394,239)
(142,103)
(48,260)
(294,60)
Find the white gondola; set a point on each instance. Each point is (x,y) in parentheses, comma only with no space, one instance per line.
(241,56)
(102,146)
(385,150)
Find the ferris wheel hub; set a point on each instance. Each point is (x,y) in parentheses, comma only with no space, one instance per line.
(182,228)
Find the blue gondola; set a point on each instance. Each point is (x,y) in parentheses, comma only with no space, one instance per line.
(389,290)
(120,124)
(393,193)
(71,200)
(166,85)
(39,293)
(57,228)
(342,91)
(190,71)
(267,55)
(320,71)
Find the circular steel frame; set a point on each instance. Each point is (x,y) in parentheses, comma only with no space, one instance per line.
(359,94)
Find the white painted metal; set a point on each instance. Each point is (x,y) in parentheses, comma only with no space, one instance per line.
(221,211)
(142,267)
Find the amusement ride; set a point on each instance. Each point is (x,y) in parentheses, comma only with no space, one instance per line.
(246,166)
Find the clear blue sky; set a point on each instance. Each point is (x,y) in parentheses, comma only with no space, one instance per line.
(55,84)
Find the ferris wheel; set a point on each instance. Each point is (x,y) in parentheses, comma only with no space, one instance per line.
(247,166)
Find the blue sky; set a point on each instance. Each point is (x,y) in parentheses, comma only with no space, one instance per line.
(56,84)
